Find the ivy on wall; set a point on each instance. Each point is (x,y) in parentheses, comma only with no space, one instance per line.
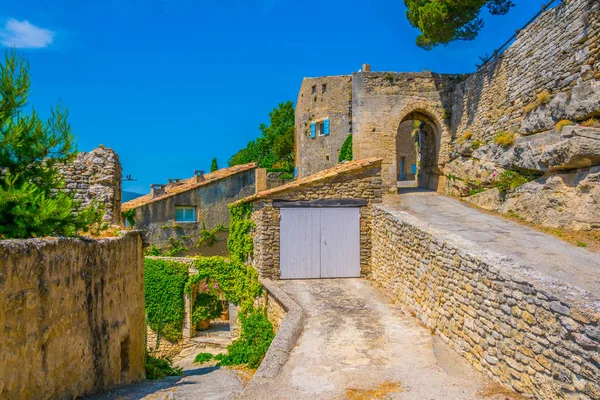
(240,242)
(129,216)
(238,282)
(164,283)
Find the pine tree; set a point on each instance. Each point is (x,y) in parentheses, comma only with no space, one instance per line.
(214,166)
(31,150)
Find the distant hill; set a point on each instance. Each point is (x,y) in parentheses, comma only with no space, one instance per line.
(130,196)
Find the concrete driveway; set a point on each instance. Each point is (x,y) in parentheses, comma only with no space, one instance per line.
(357,344)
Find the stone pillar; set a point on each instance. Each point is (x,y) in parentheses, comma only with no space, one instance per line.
(260,179)
(187,317)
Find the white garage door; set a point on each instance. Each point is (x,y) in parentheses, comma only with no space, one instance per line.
(320,243)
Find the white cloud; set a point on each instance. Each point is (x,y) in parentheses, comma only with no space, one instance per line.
(23,35)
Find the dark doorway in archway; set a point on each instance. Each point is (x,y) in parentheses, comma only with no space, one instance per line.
(406,155)
(417,152)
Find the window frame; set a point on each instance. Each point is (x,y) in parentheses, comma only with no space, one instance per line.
(320,128)
(185,209)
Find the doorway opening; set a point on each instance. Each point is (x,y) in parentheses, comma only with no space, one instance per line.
(417,152)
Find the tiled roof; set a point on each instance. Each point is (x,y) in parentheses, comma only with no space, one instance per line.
(340,169)
(187,184)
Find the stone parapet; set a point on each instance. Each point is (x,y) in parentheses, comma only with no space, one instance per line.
(537,335)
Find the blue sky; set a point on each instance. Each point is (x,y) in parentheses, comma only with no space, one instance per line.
(169,84)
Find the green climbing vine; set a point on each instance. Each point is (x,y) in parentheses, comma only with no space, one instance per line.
(241,286)
(128,215)
(164,284)
(209,237)
(240,243)
(238,281)
(167,281)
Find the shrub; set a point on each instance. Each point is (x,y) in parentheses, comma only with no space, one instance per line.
(286,175)
(505,139)
(544,97)
(590,123)
(466,136)
(346,150)
(160,367)
(254,341)
(509,180)
(561,124)
(477,144)
(201,358)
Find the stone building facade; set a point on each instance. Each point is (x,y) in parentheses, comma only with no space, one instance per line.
(550,73)
(322,99)
(351,180)
(71,316)
(526,331)
(205,197)
(96,176)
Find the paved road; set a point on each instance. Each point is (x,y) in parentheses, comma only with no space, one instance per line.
(205,382)
(356,344)
(547,254)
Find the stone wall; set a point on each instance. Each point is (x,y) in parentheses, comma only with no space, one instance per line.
(549,74)
(559,53)
(316,104)
(71,316)
(211,201)
(539,336)
(96,175)
(381,101)
(364,184)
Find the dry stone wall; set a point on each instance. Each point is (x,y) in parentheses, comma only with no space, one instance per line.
(558,53)
(96,175)
(538,336)
(71,316)
(366,184)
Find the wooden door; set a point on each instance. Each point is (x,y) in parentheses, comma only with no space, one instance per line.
(300,234)
(319,243)
(340,243)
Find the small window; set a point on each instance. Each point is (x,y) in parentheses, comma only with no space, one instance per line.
(320,128)
(324,88)
(314,89)
(185,214)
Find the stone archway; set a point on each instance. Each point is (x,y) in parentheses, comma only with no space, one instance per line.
(430,138)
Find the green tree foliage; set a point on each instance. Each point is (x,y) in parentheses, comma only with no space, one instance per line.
(31,150)
(164,284)
(214,166)
(275,145)
(346,150)
(444,21)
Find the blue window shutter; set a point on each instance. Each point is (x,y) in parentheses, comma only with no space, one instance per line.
(326,127)
(413,168)
(313,130)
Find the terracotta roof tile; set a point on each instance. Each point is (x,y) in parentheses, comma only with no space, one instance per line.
(340,169)
(187,184)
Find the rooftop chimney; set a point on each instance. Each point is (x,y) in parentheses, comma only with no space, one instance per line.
(157,189)
(199,174)
(366,68)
